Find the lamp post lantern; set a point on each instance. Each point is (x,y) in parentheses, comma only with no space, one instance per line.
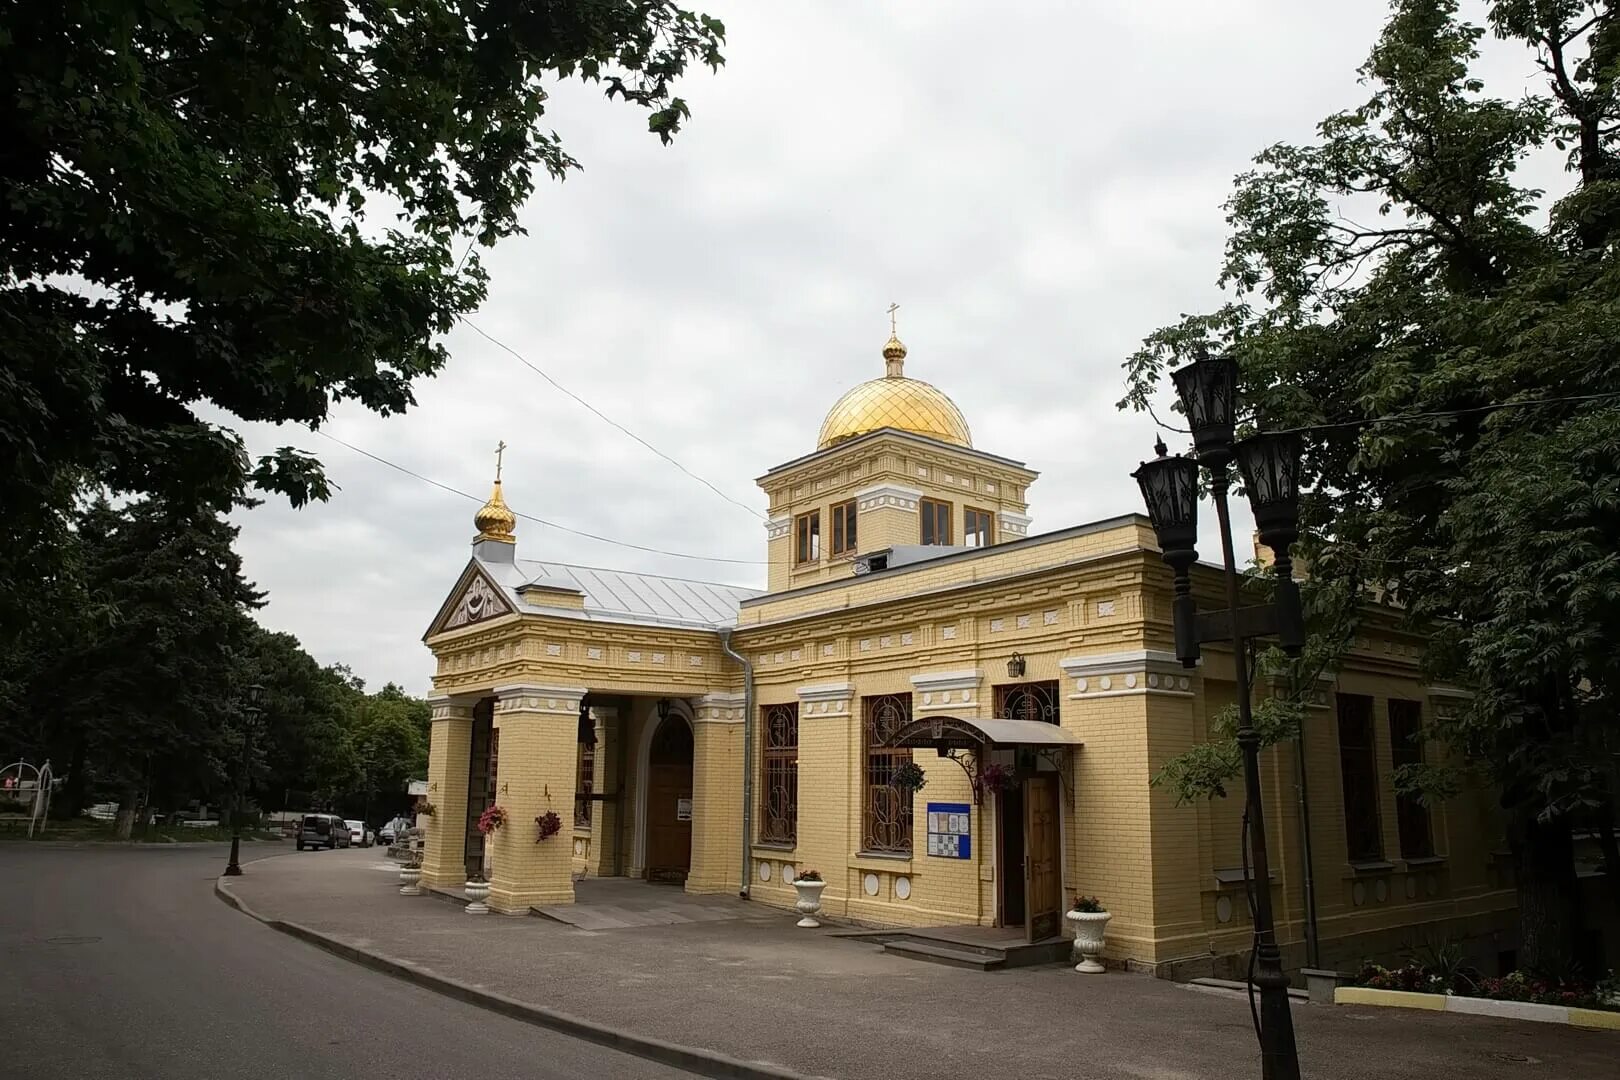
(252,707)
(1271,467)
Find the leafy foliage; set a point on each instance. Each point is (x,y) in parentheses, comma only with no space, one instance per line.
(134,680)
(1395,286)
(261,209)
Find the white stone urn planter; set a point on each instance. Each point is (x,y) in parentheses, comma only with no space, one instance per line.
(1090,927)
(809,902)
(476,892)
(410,880)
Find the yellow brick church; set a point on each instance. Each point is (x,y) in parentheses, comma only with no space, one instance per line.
(725,739)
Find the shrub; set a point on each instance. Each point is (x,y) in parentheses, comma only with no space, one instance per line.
(808,875)
(908,776)
(1088,904)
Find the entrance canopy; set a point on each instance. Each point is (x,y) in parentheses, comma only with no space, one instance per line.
(969,733)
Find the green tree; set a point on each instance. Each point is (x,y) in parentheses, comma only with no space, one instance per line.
(147,693)
(1395,284)
(265,208)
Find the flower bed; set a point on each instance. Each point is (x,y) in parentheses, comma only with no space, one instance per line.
(1453,980)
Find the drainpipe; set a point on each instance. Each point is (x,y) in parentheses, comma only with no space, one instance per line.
(748,755)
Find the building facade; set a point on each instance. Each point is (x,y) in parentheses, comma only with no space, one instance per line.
(728,738)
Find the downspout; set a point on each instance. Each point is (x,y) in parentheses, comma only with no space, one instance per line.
(748,755)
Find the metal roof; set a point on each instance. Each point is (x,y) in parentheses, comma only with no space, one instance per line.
(620,596)
(971,731)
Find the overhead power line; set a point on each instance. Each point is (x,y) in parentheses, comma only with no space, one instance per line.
(1401,418)
(530,517)
(603,416)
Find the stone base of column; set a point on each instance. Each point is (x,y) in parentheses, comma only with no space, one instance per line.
(519,901)
(709,884)
(446,877)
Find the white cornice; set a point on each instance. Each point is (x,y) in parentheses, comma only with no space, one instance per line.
(528,697)
(1013,524)
(933,682)
(841,691)
(1077,667)
(883,496)
(1456,693)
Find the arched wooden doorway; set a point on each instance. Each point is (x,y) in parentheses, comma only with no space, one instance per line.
(669,801)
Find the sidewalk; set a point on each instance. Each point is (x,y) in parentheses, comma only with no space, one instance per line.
(760,989)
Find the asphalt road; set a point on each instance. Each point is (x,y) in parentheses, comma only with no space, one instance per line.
(119,962)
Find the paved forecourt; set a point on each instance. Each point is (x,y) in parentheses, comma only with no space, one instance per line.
(756,988)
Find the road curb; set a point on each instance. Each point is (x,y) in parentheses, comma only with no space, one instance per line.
(693,1059)
(1596,1019)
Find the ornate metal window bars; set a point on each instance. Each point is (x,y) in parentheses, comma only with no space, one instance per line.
(886,820)
(1028,701)
(779,794)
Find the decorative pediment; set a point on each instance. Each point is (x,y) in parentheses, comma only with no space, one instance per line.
(475,599)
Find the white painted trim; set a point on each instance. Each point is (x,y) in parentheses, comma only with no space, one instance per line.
(778,527)
(1453,692)
(721,700)
(935,681)
(1078,667)
(1139,691)
(837,691)
(890,489)
(1013,523)
(887,497)
(678,707)
(575,692)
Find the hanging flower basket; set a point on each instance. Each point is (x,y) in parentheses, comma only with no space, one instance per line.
(491,819)
(550,825)
(908,776)
(993,778)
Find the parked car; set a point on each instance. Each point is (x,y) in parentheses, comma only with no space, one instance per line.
(358,833)
(322,830)
(394,830)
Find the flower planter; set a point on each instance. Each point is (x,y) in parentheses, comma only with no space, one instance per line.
(476,892)
(410,881)
(1090,928)
(809,902)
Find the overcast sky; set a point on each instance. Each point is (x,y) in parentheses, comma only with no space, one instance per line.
(1037,185)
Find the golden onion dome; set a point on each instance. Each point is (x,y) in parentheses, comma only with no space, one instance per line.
(494,520)
(895,401)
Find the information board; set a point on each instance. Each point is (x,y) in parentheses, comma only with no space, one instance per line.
(950,830)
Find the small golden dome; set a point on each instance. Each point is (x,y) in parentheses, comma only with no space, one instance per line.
(494,520)
(897,402)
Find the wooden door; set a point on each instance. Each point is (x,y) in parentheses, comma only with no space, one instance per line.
(1043,879)
(669,802)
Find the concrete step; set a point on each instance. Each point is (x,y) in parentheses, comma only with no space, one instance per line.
(939,953)
(1242,987)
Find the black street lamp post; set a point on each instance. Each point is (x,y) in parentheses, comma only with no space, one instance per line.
(1270,466)
(251,708)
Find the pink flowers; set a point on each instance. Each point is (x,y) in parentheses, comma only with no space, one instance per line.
(491,819)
